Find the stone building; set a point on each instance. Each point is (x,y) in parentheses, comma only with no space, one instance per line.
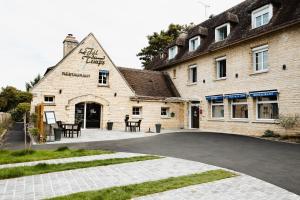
(235,73)
(241,68)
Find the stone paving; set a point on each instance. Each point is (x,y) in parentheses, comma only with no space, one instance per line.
(74,159)
(242,187)
(95,178)
(67,182)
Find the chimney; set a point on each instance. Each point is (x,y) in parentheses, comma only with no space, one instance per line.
(70,43)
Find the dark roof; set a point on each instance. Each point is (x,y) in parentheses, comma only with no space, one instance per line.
(285,13)
(149,83)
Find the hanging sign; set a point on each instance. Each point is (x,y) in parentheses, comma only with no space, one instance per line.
(90,55)
(75,74)
(50,117)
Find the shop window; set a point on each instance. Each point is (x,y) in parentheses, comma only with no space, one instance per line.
(260,58)
(136,111)
(173,52)
(217,108)
(222,32)
(165,112)
(239,109)
(103,77)
(267,108)
(49,99)
(221,68)
(192,74)
(194,43)
(262,16)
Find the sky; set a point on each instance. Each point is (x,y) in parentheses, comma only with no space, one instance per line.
(32,31)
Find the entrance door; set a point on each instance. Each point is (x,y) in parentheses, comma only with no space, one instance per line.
(89,114)
(92,115)
(194,116)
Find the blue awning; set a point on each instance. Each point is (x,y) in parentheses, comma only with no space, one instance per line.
(104,71)
(214,97)
(235,96)
(266,93)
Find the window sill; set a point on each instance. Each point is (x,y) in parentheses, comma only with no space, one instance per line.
(216,120)
(259,72)
(190,84)
(221,79)
(239,120)
(137,117)
(49,104)
(266,121)
(165,117)
(102,85)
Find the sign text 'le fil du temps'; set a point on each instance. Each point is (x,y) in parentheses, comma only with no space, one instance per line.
(90,55)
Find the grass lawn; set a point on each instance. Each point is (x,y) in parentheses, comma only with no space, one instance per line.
(43,168)
(18,156)
(146,188)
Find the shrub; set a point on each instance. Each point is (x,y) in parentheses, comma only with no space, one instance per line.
(288,121)
(64,148)
(34,131)
(18,113)
(268,133)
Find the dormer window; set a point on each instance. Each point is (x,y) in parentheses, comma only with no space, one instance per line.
(173,52)
(262,16)
(221,32)
(194,43)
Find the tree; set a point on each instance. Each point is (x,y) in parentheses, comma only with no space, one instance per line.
(157,42)
(10,97)
(30,84)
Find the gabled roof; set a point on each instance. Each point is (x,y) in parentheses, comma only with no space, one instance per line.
(149,83)
(285,13)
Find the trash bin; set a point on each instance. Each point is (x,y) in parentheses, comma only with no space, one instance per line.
(158,127)
(57,134)
(109,125)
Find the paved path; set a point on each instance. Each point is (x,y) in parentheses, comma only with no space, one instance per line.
(238,188)
(274,162)
(74,159)
(67,182)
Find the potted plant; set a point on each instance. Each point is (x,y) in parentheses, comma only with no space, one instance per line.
(158,127)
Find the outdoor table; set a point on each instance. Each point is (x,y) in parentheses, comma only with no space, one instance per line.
(69,129)
(132,125)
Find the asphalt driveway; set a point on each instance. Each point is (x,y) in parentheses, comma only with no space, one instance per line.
(274,162)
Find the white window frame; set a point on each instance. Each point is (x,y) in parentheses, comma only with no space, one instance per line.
(167,112)
(190,74)
(140,111)
(190,43)
(218,68)
(256,50)
(239,103)
(260,12)
(102,79)
(216,104)
(49,102)
(265,102)
(172,52)
(217,38)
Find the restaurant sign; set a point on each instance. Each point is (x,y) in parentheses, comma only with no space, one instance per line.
(90,55)
(75,74)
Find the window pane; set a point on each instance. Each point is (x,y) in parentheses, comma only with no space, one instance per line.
(265,60)
(259,61)
(217,111)
(258,21)
(223,33)
(194,74)
(240,111)
(222,68)
(265,18)
(267,111)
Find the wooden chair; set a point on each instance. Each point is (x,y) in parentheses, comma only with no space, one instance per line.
(127,124)
(77,129)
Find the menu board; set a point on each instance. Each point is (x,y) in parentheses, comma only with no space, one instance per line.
(50,117)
